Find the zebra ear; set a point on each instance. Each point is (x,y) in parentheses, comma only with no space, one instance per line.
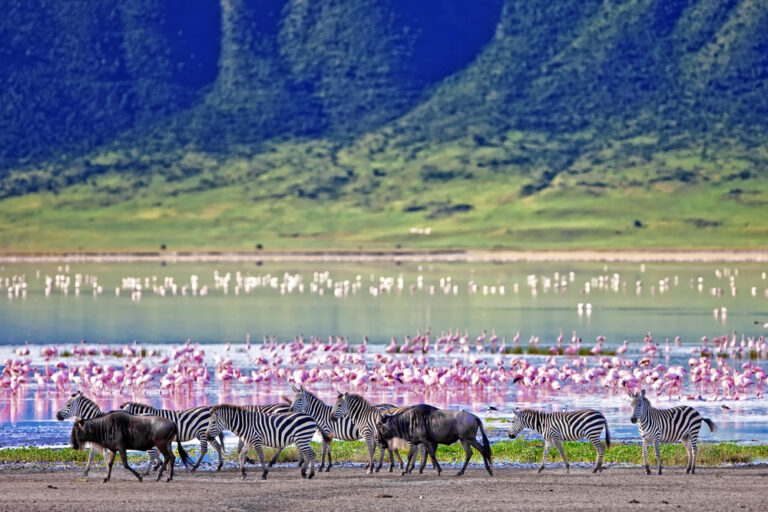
(642,392)
(80,421)
(302,388)
(294,388)
(340,393)
(630,393)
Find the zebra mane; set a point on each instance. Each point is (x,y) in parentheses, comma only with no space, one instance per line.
(313,397)
(87,401)
(226,408)
(139,404)
(359,400)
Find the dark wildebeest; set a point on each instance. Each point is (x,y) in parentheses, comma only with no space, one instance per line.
(119,431)
(430,426)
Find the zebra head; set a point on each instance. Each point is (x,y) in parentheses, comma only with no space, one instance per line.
(215,424)
(299,403)
(639,405)
(341,407)
(516,425)
(72,407)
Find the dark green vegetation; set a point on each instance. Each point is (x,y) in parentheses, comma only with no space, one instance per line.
(710,454)
(295,124)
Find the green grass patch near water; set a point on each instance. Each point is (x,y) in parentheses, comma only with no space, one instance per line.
(516,451)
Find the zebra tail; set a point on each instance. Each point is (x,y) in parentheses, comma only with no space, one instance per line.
(221,441)
(183,454)
(607,437)
(710,423)
(327,435)
(486,444)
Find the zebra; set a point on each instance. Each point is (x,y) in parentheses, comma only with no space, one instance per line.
(191,423)
(669,426)
(278,408)
(557,427)
(258,429)
(364,415)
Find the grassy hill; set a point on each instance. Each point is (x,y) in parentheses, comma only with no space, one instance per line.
(356,123)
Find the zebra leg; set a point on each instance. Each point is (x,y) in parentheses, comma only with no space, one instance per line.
(110,461)
(645,457)
(154,459)
(468,452)
(694,452)
(600,449)
(381,458)
(273,460)
(657,449)
(546,454)
(90,460)
(309,460)
(560,449)
(124,457)
(423,453)
(203,450)
(248,460)
(219,452)
(322,456)
(371,443)
(260,452)
(243,447)
(329,456)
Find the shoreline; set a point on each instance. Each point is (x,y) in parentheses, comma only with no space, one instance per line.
(425,256)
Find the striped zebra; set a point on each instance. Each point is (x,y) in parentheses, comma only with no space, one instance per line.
(364,415)
(258,429)
(658,426)
(83,407)
(191,423)
(556,427)
(278,408)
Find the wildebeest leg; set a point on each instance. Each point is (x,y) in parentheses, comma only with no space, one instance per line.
(486,460)
(203,450)
(431,450)
(546,454)
(396,453)
(408,460)
(168,458)
(110,461)
(468,453)
(124,458)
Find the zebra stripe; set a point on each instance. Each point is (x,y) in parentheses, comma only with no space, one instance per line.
(658,426)
(278,408)
(81,406)
(191,424)
(274,430)
(556,427)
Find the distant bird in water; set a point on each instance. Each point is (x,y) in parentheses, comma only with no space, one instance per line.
(492,408)
(725,407)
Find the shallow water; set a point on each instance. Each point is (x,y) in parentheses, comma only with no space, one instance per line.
(378,301)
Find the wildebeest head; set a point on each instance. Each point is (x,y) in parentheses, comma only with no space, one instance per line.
(299,403)
(77,438)
(516,426)
(341,407)
(71,408)
(639,404)
(384,430)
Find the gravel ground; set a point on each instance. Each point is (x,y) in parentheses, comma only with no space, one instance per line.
(734,488)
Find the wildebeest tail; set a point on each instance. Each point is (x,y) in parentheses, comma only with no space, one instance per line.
(710,423)
(183,454)
(486,444)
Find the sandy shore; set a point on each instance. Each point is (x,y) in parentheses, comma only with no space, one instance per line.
(349,488)
(449,256)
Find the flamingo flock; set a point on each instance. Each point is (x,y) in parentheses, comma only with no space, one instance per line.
(717,369)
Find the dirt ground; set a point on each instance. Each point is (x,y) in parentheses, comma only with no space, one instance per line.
(623,489)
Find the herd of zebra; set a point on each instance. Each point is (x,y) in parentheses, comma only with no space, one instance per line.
(416,428)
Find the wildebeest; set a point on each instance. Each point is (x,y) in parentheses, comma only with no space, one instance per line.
(430,426)
(119,431)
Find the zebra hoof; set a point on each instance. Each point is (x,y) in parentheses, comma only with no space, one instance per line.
(244,474)
(328,469)
(311,475)
(169,479)
(105,480)
(659,471)
(403,473)
(391,469)
(459,473)
(140,479)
